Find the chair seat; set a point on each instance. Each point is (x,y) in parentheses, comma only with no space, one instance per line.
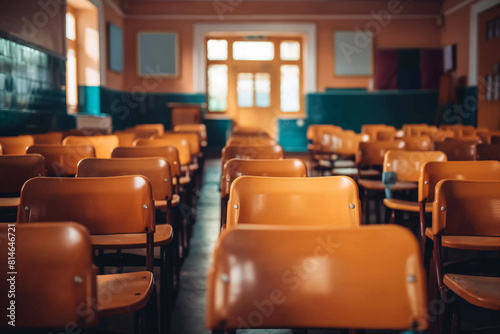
(471,242)
(477,290)
(182,180)
(428,233)
(176,199)
(399,204)
(353,172)
(379,185)
(467,242)
(9,202)
(163,236)
(125,293)
(190,167)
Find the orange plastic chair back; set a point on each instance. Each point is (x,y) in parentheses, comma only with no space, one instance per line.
(157,127)
(279,277)
(62,160)
(16,145)
(458,150)
(250,141)
(51,138)
(418,143)
(252,152)
(157,170)
(182,146)
(235,168)
(313,201)
(488,152)
(414,129)
(103,145)
(433,172)
(467,208)
(104,205)
(372,129)
(386,134)
(85,132)
(345,143)
(193,138)
(249,132)
(408,164)
(55,283)
(17,169)
(314,131)
(141,133)
(169,153)
(201,129)
(372,153)
(125,139)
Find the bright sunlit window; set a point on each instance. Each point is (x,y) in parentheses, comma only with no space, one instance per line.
(290,50)
(217,87)
(71,84)
(290,88)
(244,50)
(70,26)
(217,49)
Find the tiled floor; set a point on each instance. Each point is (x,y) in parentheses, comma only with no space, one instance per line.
(189,312)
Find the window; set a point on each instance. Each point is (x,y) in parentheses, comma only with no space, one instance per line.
(70,26)
(262,90)
(290,88)
(290,50)
(254,73)
(217,88)
(244,87)
(217,49)
(71,74)
(71,62)
(244,50)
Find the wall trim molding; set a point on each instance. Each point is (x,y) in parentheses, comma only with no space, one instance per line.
(116,8)
(476,9)
(457,7)
(295,17)
(308,30)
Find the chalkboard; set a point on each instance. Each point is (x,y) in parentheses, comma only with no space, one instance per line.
(353,52)
(158,54)
(115,42)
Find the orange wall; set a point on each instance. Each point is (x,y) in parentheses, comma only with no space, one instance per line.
(182,83)
(489,55)
(114,80)
(456,31)
(399,33)
(39,22)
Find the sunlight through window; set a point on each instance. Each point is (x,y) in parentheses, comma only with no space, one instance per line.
(244,50)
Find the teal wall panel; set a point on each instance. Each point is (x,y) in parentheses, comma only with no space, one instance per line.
(351,110)
(89,100)
(218,131)
(291,135)
(128,109)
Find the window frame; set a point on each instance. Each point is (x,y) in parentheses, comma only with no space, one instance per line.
(275,66)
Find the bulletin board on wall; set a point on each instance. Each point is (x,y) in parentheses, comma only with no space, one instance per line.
(353,53)
(408,68)
(158,54)
(115,47)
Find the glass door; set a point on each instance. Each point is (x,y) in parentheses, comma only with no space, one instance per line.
(253,99)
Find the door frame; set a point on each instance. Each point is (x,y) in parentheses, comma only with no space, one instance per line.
(306,30)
